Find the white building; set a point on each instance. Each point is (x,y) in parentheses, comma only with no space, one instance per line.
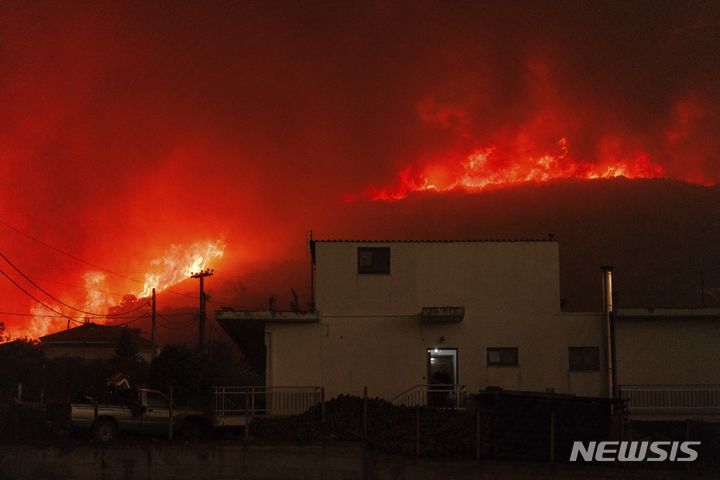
(396,316)
(668,362)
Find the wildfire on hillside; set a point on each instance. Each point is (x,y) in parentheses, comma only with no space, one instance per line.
(486,168)
(175,265)
(178,263)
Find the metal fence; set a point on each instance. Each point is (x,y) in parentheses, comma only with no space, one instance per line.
(672,399)
(255,401)
(438,396)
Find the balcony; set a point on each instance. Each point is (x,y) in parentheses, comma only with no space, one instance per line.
(672,401)
(442,314)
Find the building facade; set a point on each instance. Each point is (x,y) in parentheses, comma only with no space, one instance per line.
(400,315)
(668,362)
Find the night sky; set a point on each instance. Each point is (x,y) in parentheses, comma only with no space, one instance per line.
(129,127)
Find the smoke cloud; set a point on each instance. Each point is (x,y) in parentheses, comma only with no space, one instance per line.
(128,127)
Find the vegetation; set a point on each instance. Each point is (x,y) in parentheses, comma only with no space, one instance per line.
(391,428)
(4,337)
(191,374)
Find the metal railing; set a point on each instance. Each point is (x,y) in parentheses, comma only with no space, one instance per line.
(671,399)
(254,401)
(433,395)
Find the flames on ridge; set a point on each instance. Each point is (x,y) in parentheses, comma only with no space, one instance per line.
(178,263)
(487,168)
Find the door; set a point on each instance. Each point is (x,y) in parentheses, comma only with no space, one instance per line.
(442,377)
(157,412)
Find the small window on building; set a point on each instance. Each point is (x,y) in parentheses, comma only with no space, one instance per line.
(502,357)
(373,260)
(584,359)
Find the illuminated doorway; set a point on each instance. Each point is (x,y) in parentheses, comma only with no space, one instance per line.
(442,366)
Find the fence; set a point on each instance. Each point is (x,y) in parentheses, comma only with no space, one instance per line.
(672,400)
(488,424)
(438,396)
(20,418)
(258,400)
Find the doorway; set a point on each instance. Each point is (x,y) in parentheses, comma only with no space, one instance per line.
(442,367)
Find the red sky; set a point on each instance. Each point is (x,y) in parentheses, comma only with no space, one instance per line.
(127,127)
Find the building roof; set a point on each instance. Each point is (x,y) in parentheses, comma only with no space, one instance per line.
(551,238)
(97,334)
(668,313)
(266,316)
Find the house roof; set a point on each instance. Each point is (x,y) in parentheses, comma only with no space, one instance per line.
(94,333)
(551,238)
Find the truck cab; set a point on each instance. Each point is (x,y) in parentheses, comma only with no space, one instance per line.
(140,410)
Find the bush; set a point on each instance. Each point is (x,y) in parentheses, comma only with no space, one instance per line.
(391,428)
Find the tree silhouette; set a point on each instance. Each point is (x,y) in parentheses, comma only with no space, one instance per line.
(128,302)
(127,348)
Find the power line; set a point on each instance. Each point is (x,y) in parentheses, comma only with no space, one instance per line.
(81,260)
(168,327)
(36,299)
(128,323)
(107,270)
(66,253)
(173,322)
(19,314)
(180,314)
(210,300)
(60,301)
(80,287)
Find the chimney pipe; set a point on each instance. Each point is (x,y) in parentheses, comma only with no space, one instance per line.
(607,289)
(609,329)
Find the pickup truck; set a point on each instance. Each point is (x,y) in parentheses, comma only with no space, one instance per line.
(140,410)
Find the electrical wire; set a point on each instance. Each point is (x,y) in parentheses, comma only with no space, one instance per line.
(18,314)
(63,303)
(66,253)
(36,299)
(107,270)
(179,314)
(170,327)
(144,315)
(80,287)
(194,297)
(184,322)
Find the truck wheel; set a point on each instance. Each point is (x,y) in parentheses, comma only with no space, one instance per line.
(104,430)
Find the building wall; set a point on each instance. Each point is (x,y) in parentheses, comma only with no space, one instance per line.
(370,332)
(668,351)
(496,276)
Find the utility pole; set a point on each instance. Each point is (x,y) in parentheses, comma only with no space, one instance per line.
(154,319)
(311,251)
(202,315)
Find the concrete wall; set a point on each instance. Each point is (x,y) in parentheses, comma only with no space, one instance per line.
(370,332)
(486,277)
(684,350)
